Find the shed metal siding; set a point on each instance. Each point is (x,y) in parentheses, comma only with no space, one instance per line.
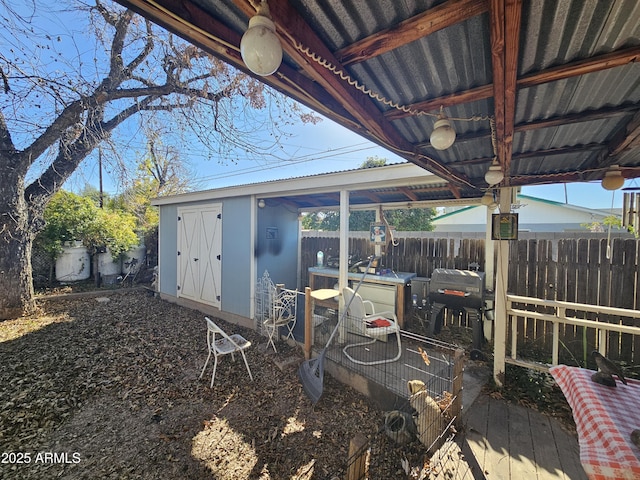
(167,249)
(236,256)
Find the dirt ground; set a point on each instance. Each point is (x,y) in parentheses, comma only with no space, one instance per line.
(108,387)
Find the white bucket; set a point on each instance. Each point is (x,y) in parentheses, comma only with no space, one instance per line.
(73,264)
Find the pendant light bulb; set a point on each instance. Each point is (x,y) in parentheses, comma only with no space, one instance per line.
(494,175)
(443,134)
(260,47)
(487,198)
(613,179)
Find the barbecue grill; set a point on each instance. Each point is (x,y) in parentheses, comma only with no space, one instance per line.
(461,290)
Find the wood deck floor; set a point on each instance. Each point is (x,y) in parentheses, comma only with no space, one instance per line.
(505,441)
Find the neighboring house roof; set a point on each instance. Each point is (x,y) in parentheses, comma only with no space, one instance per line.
(535,214)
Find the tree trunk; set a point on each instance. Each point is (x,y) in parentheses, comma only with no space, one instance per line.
(16,239)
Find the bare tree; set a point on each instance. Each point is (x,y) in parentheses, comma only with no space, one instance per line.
(57,104)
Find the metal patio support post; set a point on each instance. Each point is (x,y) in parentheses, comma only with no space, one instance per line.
(344,253)
(489,260)
(500,304)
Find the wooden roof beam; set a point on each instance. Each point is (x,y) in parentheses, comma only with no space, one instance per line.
(597,63)
(409,194)
(367,194)
(586,116)
(412,29)
(580,67)
(458,98)
(627,137)
(504,30)
(532,154)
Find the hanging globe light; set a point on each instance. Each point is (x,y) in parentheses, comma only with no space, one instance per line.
(613,179)
(260,47)
(443,134)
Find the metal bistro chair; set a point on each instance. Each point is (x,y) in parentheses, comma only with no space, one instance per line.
(377,326)
(282,313)
(225,345)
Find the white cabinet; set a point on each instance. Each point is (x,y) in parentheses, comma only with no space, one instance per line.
(383,297)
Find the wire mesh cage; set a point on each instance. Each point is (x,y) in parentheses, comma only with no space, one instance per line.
(425,387)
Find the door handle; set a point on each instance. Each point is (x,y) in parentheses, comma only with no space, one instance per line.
(195,259)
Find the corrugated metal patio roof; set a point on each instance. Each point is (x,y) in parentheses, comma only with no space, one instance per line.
(560,78)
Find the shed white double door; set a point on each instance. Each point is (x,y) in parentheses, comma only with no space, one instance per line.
(199,253)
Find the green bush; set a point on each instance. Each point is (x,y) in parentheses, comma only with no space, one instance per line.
(113,229)
(66,216)
(70,217)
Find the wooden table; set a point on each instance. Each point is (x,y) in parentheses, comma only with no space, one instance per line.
(398,280)
(605,418)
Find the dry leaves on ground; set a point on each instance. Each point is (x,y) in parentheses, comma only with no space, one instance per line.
(97,388)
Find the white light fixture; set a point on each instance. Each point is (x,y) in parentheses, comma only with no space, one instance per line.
(261,203)
(613,179)
(494,175)
(260,48)
(443,134)
(487,198)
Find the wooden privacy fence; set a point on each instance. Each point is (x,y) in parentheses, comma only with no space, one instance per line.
(592,271)
(585,271)
(419,255)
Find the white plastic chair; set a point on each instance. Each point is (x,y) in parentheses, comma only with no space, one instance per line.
(282,314)
(225,345)
(371,325)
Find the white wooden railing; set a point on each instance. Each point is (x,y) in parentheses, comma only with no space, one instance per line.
(558,317)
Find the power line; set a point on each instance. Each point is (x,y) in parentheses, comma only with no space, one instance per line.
(284,163)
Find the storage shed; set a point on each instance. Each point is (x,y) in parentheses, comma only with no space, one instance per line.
(214,244)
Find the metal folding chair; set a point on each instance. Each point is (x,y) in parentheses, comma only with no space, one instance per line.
(219,343)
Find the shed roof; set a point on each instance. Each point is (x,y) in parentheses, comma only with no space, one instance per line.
(399,185)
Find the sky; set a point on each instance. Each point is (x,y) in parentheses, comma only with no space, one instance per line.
(329,147)
(310,149)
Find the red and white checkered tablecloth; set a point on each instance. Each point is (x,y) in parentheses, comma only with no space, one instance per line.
(605,418)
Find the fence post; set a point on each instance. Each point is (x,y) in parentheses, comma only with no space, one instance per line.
(458,369)
(561,312)
(357,463)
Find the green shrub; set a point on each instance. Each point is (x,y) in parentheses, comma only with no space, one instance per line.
(70,217)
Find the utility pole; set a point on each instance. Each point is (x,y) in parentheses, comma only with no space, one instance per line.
(96,272)
(100,175)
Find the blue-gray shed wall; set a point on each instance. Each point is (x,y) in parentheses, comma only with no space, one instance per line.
(275,251)
(168,249)
(236,256)
(277,244)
